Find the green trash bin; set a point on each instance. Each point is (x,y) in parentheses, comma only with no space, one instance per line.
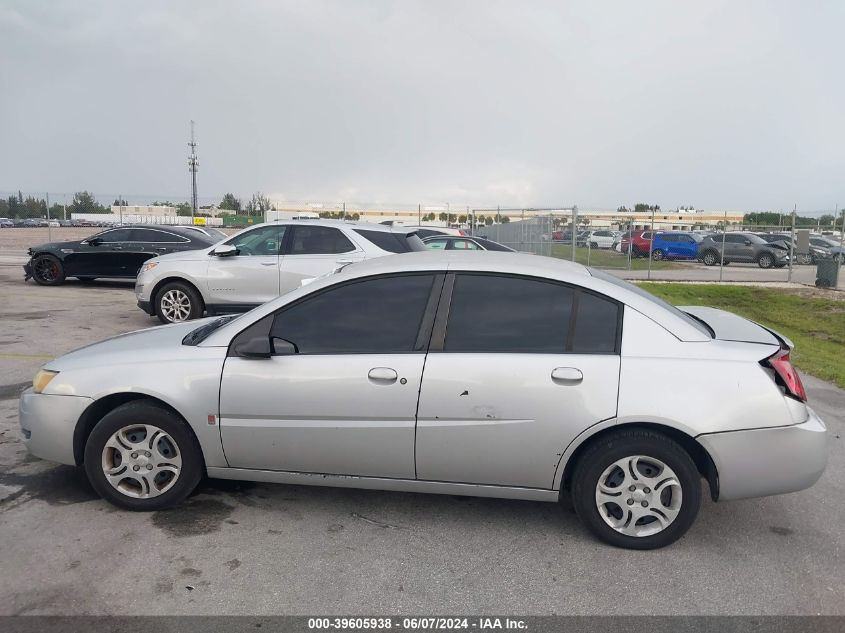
(827,273)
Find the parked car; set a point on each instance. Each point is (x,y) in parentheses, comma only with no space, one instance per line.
(742,247)
(30,223)
(115,253)
(428,231)
(259,264)
(452,243)
(213,233)
(601,239)
(6,223)
(638,242)
(675,245)
(542,379)
(784,242)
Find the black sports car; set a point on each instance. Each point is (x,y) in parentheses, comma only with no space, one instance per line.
(114,253)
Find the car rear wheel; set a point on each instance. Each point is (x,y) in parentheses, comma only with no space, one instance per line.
(637,489)
(710,258)
(177,302)
(657,255)
(143,457)
(804,258)
(47,270)
(594,245)
(765,261)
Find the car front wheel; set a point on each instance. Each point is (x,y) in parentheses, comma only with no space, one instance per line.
(765,261)
(657,255)
(710,258)
(637,489)
(47,270)
(177,302)
(142,456)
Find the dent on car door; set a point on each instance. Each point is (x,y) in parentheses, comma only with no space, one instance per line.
(520,369)
(341,395)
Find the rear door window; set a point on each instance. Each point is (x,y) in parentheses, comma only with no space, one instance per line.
(319,240)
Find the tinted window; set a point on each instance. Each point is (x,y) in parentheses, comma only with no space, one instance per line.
(464,245)
(596,325)
(494,246)
(508,314)
(377,316)
(118,235)
(319,240)
(266,240)
(386,241)
(428,232)
(150,235)
(734,239)
(437,244)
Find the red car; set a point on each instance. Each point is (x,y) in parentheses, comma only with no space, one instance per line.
(641,241)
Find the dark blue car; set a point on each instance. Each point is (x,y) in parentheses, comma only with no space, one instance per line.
(675,245)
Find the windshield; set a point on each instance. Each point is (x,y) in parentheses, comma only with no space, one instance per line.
(696,323)
(195,337)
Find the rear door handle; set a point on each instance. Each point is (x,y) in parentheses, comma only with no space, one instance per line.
(268,263)
(567,375)
(383,375)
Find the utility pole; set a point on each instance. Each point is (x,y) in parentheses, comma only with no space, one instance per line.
(193,164)
(792,242)
(49,233)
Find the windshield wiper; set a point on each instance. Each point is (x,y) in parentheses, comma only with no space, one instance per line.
(194,337)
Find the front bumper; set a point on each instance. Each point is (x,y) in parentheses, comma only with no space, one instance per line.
(48,423)
(773,461)
(27,269)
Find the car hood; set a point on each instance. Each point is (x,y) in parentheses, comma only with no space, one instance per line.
(162,343)
(55,246)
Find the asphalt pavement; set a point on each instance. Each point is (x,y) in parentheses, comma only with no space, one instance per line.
(241,548)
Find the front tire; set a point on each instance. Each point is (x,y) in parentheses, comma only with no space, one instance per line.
(47,270)
(657,255)
(710,258)
(143,457)
(176,302)
(637,489)
(765,261)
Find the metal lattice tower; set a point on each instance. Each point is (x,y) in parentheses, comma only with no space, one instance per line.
(193,165)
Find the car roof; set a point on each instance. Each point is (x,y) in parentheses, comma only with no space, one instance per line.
(551,268)
(341,224)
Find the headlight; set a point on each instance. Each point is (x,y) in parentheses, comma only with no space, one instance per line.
(42,379)
(147,266)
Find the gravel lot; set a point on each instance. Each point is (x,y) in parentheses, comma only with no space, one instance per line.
(237,548)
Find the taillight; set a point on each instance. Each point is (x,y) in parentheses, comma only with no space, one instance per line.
(783,367)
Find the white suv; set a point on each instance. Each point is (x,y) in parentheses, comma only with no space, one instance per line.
(259,264)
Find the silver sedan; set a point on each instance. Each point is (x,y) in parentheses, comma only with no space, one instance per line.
(488,374)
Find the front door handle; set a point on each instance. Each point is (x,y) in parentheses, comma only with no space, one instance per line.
(383,375)
(268,263)
(161,249)
(567,375)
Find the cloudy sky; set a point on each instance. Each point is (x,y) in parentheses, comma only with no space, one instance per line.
(724,105)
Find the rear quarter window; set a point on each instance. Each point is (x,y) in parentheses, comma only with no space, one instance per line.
(386,240)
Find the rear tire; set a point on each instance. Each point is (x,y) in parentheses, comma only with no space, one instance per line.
(641,520)
(593,245)
(47,270)
(177,302)
(657,255)
(130,439)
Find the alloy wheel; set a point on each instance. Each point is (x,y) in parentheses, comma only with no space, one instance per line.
(709,258)
(141,461)
(638,496)
(46,269)
(175,305)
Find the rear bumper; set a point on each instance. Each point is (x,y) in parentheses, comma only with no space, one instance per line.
(48,423)
(762,462)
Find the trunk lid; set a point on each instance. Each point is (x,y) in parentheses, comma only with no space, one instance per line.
(727,326)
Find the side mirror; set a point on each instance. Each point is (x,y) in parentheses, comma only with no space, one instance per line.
(225,250)
(258,347)
(748,242)
(283,347)
(95,241)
